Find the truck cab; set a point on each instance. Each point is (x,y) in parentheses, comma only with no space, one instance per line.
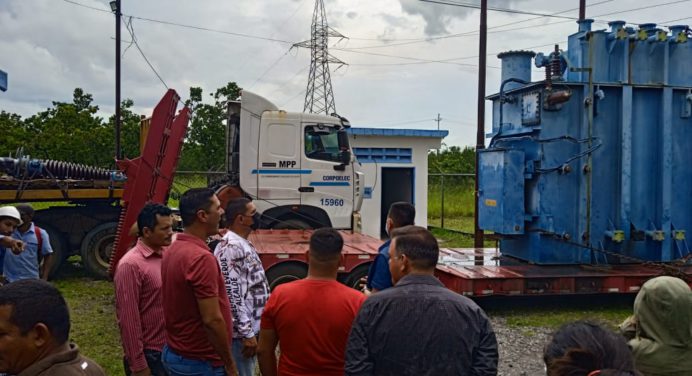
(297,167)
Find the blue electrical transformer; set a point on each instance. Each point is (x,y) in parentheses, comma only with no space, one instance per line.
(598,156)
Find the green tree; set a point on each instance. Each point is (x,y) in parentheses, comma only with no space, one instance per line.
(13,133)
(129,131)
(69,132)
(205,146)
(452,160)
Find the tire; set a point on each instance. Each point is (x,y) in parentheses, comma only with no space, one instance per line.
(353,279)
(58,243)
(291,224)
(96,249)
(286,272)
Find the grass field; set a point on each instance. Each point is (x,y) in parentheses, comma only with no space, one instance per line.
(92,310)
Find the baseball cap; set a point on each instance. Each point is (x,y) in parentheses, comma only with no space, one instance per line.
(10,211)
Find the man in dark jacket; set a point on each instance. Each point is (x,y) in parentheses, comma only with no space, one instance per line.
(35,323)
(419,327)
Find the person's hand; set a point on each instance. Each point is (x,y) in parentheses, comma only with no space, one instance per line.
(230,369)
(17,246)
(144,372)
(363,283)
(249,347)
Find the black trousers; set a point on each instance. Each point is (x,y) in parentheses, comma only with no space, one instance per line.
(154,362)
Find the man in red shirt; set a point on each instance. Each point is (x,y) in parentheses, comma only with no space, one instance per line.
(138,293)
(195,304)
(310,318)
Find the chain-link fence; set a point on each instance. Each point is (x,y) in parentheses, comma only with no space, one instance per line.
(451,201)
(185,180)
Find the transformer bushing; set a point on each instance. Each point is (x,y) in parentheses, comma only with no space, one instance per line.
(27,168)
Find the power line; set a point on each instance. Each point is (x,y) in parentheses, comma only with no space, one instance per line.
(87,6)
(498,9)
(200,28)
(130,28)
(457,35)
(285,83)
(475,32)
(270,68)
(405,57)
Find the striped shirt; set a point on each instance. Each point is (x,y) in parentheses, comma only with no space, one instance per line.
(138,304)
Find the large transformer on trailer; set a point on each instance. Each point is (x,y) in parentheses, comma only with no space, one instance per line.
(596,157)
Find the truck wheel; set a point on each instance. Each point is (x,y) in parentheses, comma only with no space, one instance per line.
(59,245)
(353,279)
(286,272)
(291,224)
(97,247)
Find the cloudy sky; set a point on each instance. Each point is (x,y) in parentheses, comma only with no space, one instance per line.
(407,60)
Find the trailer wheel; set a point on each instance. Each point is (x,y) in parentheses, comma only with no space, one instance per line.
(59,245)
(353,279)
(286,272)
(97,247)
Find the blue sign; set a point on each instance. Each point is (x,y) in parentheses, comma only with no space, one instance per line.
(3,80)
(367,192)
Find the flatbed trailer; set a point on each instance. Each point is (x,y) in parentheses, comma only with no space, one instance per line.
(473,273)
(283,255)
(485,272)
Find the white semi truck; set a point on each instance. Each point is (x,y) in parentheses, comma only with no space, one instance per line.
(297,167)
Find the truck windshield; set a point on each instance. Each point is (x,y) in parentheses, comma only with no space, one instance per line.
(322,142)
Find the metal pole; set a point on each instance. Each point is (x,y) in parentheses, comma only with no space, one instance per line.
(480,134)
(118,153)
(442,201)
(582,10)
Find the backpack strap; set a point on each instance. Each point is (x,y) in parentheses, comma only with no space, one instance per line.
(39,240)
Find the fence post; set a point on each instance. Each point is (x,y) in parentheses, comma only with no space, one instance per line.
(442,201)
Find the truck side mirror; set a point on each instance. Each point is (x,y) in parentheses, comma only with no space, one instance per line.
(345,157)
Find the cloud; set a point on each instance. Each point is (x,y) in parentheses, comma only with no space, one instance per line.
(439,17)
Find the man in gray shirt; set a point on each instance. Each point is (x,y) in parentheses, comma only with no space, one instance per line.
(419,327)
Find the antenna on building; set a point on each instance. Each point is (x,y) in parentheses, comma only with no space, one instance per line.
(319,97)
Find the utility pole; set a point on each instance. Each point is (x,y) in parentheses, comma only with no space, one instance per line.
(438,120)
(480,134)
(115,7)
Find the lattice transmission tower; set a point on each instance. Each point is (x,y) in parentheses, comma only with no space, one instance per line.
(319,97)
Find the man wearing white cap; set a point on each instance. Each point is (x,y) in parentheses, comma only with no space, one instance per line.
(10,219)
(36,259)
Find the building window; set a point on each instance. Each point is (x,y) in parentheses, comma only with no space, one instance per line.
(384,155)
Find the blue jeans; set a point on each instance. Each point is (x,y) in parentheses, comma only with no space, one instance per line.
(176,365)
(246,366)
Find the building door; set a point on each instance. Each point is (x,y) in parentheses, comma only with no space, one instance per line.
(397,185)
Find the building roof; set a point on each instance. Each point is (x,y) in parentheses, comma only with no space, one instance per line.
(394,132)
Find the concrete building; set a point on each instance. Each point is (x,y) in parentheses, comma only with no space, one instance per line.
(395,163)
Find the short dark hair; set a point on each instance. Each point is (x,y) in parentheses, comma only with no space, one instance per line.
(581,347)
(236,207)
(148,216)
(402,214)
(326,244)
(193,200)
(36,301)
(418,244)
(25,209)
